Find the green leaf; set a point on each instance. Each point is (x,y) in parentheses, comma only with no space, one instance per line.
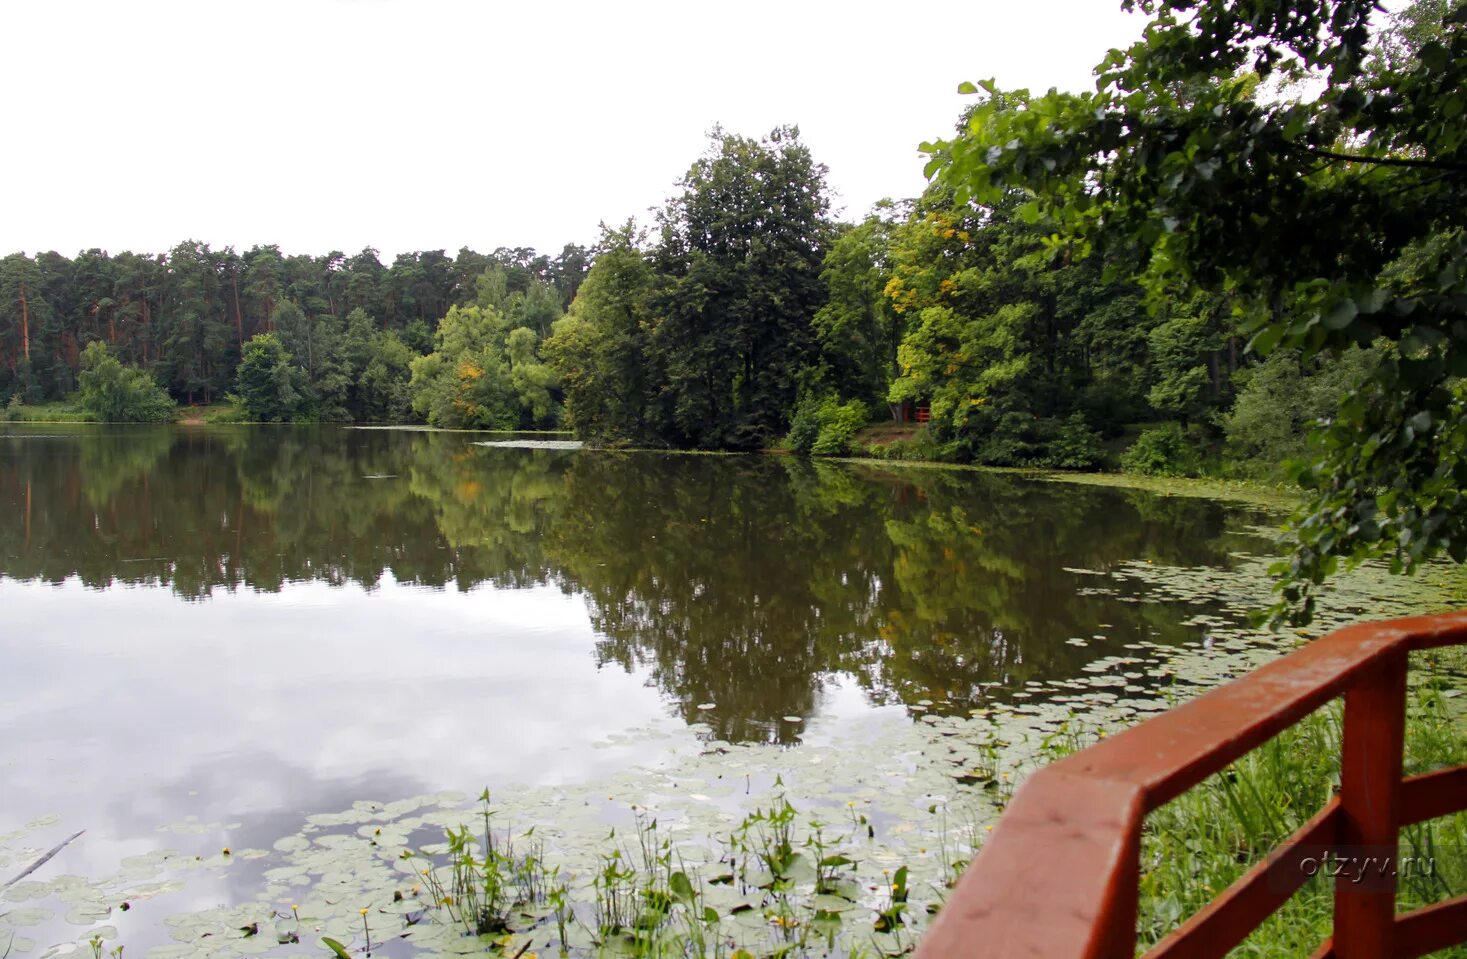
(335,947)
(1371,302)
(682,887)
(1341,315)
(1266,339)
(966,89)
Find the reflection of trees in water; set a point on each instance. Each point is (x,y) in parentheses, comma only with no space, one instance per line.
(744,583)
(739,581)
(710,574)
(258,508)
(493,507)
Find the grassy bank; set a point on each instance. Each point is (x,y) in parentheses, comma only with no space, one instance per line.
(1199,843)
(221,413)
(60,411)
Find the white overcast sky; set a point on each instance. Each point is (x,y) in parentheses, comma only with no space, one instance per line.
(434,124)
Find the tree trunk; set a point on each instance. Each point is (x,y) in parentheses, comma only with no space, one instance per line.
(25,324)
(238,316)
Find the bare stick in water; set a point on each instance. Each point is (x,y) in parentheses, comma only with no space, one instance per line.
(44,859)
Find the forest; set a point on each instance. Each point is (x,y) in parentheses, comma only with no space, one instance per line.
(295,337)
(983,322)
(746,316)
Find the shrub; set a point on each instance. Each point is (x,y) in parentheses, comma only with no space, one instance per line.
(1163,450)
(114,393)
(1021,439)
(804,426)
(838,426)
(1073,446)
(824,426)
(922,447)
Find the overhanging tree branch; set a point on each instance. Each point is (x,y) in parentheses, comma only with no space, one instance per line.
(1380,161)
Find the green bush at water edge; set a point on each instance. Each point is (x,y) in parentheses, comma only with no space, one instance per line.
(1164,450)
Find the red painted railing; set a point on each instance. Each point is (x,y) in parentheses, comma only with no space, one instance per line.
(1058,876)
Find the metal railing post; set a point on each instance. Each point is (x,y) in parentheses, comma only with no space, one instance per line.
(1370,800)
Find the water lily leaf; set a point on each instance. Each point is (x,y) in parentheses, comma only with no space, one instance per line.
(29,889)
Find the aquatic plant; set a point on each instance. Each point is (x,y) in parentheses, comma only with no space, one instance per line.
(782,885)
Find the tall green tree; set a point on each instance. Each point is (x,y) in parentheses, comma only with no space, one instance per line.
(857,329)
(738,265)
(194,323)
(22,313)
(1187,379)
(1330,221)
(993,343)
(317,344)
(267,385)
(600,349)
(465,382)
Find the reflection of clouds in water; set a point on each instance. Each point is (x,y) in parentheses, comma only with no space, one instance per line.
(279,793)
(845,712)
(772,589)
(446,688)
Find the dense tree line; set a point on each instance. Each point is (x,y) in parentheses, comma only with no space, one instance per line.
(749,317)
(746,316)
(349,324)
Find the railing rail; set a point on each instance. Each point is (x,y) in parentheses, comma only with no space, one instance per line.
(1058,876)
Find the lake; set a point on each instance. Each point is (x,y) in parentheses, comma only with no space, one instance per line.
(212,635)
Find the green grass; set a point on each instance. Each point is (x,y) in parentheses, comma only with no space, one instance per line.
(1197,845)
(59,411)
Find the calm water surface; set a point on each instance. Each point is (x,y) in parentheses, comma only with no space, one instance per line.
(248,625)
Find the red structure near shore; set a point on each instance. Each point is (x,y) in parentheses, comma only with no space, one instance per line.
(1058,877)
